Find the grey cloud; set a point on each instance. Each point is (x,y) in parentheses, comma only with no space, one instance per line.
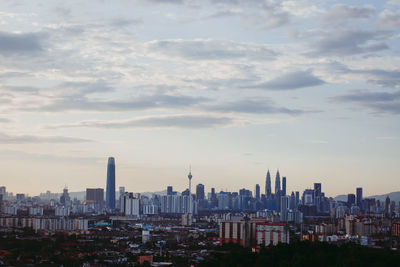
(291,81)
(381,77)
(23,89)
(262,14)
(381,102)
(4,120)
(384,78)
(23,139)
(20,155)
(19,43)
(348,42)
(211,49)
(170,121)
(120,22)
(166,1)
(389,19)
(139,103)
(365,97)
(260,106)
(84,88)
(340,14)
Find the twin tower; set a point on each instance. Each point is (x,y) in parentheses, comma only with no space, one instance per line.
(278,190)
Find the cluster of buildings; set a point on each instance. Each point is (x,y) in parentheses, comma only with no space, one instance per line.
(253,217)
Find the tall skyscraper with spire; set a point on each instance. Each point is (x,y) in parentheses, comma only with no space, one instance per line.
(110,190)
(268,191)
(277,183)
(278,191)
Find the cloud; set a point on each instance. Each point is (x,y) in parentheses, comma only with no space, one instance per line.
(389,19)
(120,22)
(260,106)
(24,139)
(4,120)
(167,121)
(19,43)
(381,102)
(291,81)
(165,1)
(211,50)
(339,14)
(381,77)
(384,78)
(348,42)
(138,103)
(22,155)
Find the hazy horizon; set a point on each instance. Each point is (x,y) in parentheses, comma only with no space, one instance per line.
(231,87)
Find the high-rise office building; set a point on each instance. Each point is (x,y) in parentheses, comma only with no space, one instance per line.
(277,183)
(110,190)
(257,192)
(95,195)
(351,199)
(359,195)
(200,192)
(170,190)
(292,203)
(317,189)
(268,190)
(278,191)
(65,199)
(283,186)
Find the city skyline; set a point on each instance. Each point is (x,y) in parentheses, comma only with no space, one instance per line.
(232,87)
(280,189)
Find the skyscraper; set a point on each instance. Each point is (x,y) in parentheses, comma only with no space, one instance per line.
(277,183)
(351,200)
(268,190)
(95,195)
(200,192)
(278,191)
(283,186)
(110,190)
(170,190)
(257,192)
(317,189)
(359,196)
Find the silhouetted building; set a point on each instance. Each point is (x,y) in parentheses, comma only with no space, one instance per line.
(95,195)
(351,200)
(64,199)
(283,186)
(317,189)
(110,190)
(257,192)
(170,191)
(359,193)
(278,191)
(268,190)
(200,196)
(277,183)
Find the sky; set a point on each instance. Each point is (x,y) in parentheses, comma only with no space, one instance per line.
(231,87)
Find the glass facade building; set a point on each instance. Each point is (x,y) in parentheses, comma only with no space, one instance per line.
(110,190)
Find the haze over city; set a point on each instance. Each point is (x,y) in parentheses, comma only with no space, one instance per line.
(231,87)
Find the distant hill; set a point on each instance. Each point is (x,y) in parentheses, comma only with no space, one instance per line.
(394,196)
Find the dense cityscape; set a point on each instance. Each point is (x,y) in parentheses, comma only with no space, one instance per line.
(166,228)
